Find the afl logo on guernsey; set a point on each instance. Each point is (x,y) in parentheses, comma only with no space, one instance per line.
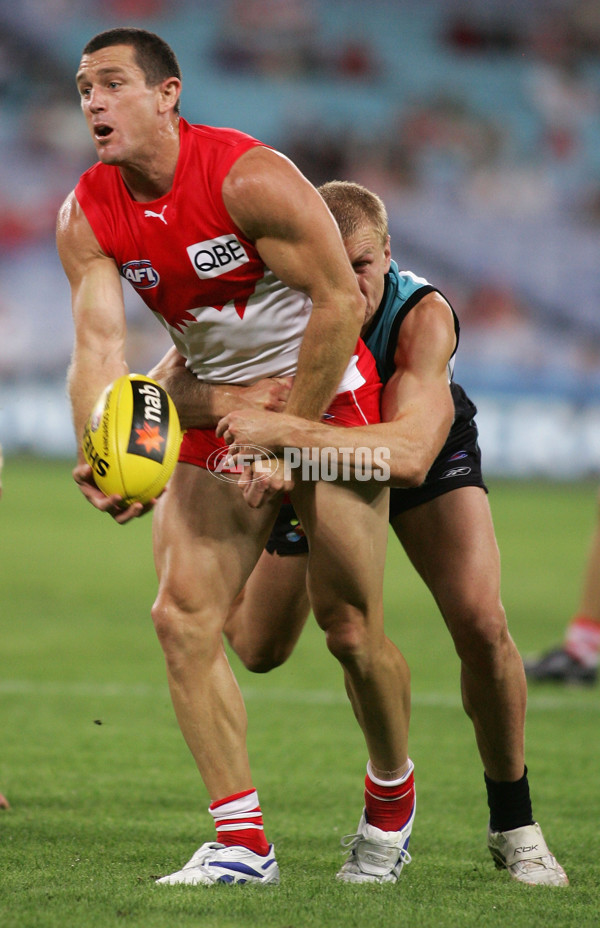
(141,274)
(217,256)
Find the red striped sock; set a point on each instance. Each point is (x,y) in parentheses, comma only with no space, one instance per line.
(389,803)
(238,820)
(583,640)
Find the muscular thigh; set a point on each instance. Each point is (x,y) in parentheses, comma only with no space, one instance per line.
(206,538)
(346,526)
(451,542)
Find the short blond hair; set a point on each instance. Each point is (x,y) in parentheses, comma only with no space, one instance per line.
(353,207)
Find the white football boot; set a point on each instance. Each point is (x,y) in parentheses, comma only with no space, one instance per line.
(376,856)
(524,853)
(216,863)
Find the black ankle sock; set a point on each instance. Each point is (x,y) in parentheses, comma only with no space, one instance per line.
(510,803)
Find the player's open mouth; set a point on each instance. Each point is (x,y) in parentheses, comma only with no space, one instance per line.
(102,132)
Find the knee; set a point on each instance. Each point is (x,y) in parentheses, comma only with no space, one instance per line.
(262,659)
(481,636)
(346,637)
(184,633)
(263,642)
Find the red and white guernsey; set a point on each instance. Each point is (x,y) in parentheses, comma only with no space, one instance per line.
(227,313)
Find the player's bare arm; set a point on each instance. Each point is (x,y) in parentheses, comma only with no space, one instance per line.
(417,406)
(99,320)
(297,238)
(201,405)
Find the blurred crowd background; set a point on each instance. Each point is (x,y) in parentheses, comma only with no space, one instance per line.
(477,121)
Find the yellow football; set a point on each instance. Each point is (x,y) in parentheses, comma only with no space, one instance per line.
(132,437)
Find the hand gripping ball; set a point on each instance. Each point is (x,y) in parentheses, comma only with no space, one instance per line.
(132,437)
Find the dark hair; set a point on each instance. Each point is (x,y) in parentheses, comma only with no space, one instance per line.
(152,54)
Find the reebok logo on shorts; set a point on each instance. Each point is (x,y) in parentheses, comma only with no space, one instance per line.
(456,472)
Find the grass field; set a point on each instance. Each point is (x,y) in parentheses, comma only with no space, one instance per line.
(105,796)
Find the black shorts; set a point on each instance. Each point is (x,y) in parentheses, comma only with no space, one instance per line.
(287,536)
(457,465)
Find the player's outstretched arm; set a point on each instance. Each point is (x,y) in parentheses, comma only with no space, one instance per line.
(98,353)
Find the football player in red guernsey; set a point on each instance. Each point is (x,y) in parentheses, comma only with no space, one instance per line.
(238,257)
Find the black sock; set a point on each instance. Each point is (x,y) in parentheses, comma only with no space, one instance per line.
(510,803)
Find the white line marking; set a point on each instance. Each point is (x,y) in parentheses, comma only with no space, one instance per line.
(61,689)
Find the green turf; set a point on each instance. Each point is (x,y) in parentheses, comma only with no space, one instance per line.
(105,795)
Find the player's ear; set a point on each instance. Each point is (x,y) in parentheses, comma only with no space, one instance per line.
(387,252)
(170,91)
